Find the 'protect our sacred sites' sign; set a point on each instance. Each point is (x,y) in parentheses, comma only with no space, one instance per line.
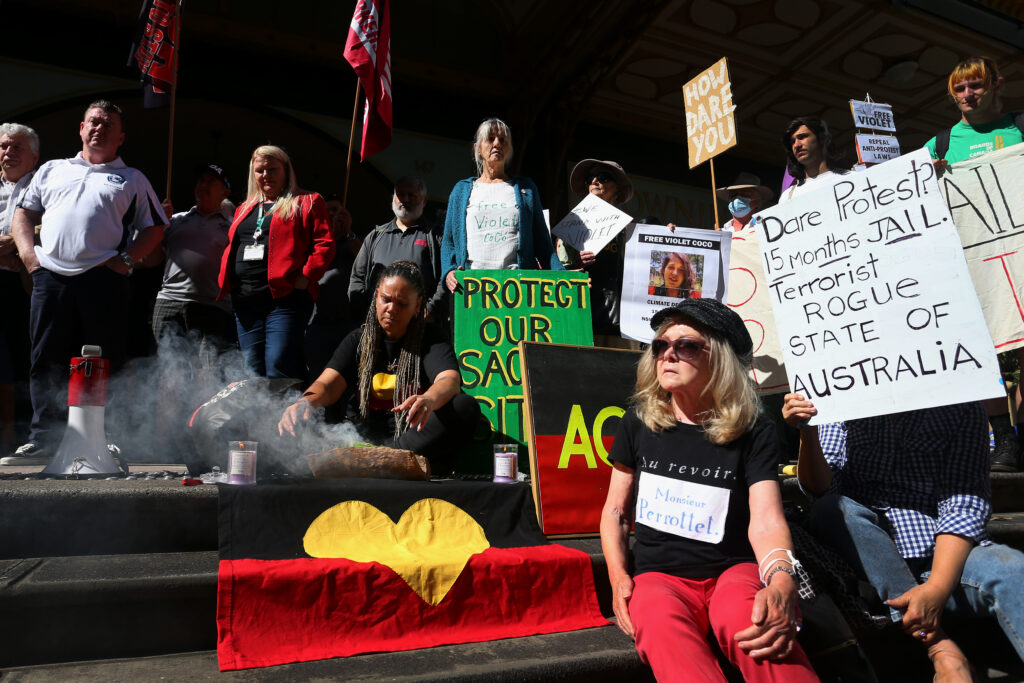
(710,123)
(495,310)
(874,305)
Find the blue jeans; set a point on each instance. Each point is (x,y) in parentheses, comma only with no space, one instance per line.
(270,333)
(989,583)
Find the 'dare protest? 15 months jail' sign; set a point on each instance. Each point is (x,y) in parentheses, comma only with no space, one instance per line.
(494,310)
(710,122)
(874,305)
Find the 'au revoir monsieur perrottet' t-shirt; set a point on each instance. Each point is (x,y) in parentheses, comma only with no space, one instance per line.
(692,496)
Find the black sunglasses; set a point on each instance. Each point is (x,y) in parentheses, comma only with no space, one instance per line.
(683,348)
(601,177)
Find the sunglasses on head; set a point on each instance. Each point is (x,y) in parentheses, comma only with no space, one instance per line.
(601,177)
(683,347)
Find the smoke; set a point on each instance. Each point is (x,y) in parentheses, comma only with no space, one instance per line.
(151,401)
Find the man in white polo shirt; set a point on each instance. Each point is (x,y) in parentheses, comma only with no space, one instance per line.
(99,218)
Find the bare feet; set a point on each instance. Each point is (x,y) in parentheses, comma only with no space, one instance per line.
(951,666)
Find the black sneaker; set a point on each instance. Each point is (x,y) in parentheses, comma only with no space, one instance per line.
(29,454)
(1004,457)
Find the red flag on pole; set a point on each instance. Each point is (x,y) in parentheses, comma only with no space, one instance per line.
(368,50)
(153,50)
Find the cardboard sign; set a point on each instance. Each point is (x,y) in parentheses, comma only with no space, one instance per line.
(662,267)
(874,149)
(710,123)
(874,305)
(984,196)
(575,397)
(748,296)
(591,225)
(872,116)
(495,310)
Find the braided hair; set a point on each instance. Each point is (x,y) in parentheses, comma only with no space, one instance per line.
(407,376)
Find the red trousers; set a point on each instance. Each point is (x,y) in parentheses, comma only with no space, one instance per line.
(672,618)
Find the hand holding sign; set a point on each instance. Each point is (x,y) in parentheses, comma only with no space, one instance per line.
(591,225)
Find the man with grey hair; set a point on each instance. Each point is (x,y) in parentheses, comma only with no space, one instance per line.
(90,241)
(406,236)
(19,154)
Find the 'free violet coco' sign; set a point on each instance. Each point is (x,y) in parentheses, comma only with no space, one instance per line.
(873,302)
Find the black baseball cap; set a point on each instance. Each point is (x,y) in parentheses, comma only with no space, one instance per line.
(216,170)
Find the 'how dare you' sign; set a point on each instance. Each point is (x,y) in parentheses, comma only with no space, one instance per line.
(874,305)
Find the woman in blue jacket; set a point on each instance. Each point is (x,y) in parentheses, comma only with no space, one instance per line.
(495,220)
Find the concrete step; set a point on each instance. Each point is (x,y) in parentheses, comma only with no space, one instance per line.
(597,654)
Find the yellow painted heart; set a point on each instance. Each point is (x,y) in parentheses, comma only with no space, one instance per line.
(428,548)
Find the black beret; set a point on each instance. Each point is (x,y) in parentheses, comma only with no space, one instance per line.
(716,317)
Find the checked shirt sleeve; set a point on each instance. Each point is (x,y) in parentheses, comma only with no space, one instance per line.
(964,490)
(832,438)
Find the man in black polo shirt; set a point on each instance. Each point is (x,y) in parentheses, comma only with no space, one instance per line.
(407,236)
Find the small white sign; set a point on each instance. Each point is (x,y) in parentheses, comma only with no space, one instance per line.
(872,116)
(664,266)
(682,508)
(591,225)
(874,149)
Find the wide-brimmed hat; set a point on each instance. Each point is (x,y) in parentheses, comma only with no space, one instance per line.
(713,316)
(744,181)
(579,179)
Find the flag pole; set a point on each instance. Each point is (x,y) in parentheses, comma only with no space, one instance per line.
(174,95)
(714,199)
(351,140)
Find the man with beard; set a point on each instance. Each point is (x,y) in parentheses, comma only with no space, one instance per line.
(407,236)
(99,219)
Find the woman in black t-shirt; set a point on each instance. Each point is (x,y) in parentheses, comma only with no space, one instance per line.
(406,380)
(694,469)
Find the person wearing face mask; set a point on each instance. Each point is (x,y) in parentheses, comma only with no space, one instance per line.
(406,236)
(746,196)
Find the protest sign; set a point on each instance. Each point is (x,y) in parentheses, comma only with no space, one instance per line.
(495,310)
(591,225)
(872,115)
(749,297)
(661,267)
(575,397)
(988,208)
(710,124)
(874,149)
(874,305)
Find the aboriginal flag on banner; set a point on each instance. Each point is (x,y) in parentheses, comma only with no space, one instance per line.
(318,569)
(368,50)
(153,50)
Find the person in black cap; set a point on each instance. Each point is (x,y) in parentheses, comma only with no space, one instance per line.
(193,244)
(695,470)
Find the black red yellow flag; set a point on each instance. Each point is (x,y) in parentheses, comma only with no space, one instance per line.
(311,570)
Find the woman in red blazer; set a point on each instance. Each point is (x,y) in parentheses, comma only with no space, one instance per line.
(279,246)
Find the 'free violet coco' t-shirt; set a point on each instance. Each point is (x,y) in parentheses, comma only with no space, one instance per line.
(492,227)
(692,496)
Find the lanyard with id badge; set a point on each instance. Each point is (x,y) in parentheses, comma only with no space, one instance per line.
(256,251)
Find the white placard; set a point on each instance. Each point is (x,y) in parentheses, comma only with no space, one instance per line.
(875,308)
(663,267)
(682,508)
(872,115)
(984,196)
(875,149)
(591,225)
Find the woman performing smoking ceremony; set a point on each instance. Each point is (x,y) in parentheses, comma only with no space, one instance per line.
(695,468)
(408,388)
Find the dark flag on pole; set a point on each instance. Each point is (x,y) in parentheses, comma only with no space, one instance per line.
(368,50)
(153,51)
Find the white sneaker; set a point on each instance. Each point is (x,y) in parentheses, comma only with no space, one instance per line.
(28,454)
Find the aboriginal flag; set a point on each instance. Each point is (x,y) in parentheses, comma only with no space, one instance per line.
(318,569)
(153,50)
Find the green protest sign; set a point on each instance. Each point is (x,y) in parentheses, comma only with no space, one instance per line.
(495,310)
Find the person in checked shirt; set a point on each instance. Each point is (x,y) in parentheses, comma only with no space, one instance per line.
(905,499)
